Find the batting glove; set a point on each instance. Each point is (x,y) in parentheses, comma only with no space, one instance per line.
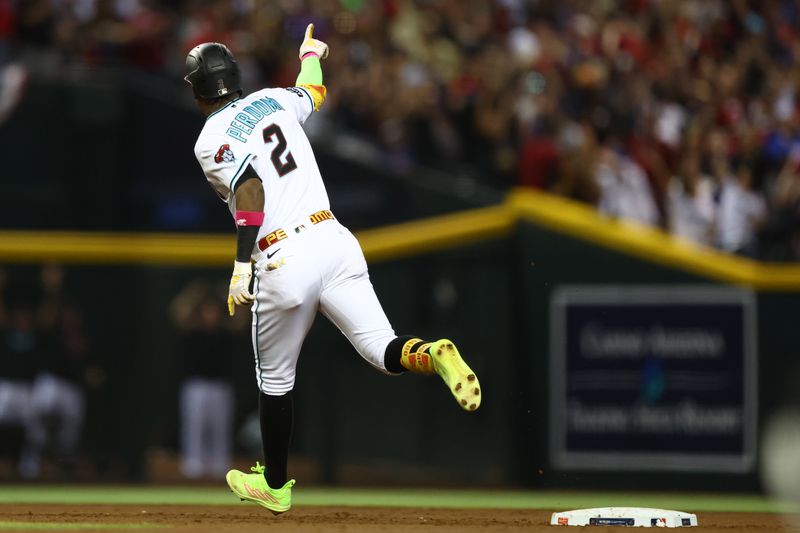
(239,290)
(311,45)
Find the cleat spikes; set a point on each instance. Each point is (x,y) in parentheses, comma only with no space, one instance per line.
(461,381)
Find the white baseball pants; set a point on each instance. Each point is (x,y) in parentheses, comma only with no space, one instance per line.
(320,268)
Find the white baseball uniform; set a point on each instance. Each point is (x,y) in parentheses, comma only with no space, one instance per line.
(305,259)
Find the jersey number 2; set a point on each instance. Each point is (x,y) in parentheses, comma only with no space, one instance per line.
(281,167)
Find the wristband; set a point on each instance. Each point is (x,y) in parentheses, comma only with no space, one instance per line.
(309,54)
(242,267)
(249,218)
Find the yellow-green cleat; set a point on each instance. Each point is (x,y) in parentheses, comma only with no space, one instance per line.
(458,377)
(253,488)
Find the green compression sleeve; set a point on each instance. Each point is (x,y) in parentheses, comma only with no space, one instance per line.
(310,72)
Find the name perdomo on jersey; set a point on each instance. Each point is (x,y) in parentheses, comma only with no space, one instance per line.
(246,120)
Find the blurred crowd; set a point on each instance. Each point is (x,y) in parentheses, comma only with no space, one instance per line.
(45,369)
(683,114)
(57,403)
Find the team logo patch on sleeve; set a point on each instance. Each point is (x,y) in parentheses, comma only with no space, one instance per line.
(224,154)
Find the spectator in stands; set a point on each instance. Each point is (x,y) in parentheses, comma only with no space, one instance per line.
(624,189)
(539,157)
(206,393)
(577,166)
(781,236)
(691,208)
(742,213)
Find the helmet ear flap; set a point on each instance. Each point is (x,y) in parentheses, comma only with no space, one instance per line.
(192,64)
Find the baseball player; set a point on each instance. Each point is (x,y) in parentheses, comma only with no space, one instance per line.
(297,255)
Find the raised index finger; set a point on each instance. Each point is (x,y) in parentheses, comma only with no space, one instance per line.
(310,31)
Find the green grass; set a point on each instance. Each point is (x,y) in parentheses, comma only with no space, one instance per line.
(143,495)
(81,526)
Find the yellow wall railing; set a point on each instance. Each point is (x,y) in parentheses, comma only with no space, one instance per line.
(411,238)
(193,249)
(584,222)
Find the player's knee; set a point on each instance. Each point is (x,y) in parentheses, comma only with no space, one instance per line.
(276,385)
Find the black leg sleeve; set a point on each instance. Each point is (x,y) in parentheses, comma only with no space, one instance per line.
(393,353)
(277,418)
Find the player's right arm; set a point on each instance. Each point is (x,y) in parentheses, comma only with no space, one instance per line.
(308,94)
(309,80)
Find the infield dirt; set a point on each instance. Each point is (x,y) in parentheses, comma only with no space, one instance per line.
(247,517)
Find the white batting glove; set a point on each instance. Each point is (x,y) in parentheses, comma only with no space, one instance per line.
(313,45)
(239,290)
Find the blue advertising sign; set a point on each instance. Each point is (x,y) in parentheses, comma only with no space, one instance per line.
(653,378)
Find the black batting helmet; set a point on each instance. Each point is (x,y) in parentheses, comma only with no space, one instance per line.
(212,71)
